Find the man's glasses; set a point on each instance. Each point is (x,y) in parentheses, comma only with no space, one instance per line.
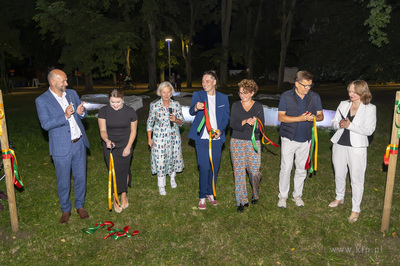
(307,86)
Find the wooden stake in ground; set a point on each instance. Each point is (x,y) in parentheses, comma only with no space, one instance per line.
(391,169)
(7,169)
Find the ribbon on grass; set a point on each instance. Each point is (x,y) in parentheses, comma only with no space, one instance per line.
(312,166)
(111,176)
(113,233)
(9,154)
(260,126)
(390,149)
(397,107)
(211,133)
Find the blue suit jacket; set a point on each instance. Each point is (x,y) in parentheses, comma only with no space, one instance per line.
(52,119)
(222,113)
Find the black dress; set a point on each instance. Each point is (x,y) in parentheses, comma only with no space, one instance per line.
(118,125)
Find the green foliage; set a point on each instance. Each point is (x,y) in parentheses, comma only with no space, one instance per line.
(94,32)
(378,20)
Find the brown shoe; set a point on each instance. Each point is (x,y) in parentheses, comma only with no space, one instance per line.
(65,217)
(83,213)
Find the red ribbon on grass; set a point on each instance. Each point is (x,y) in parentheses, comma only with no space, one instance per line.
(113,233)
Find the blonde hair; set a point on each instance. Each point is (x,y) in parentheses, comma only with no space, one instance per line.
(361,88)
(163,85)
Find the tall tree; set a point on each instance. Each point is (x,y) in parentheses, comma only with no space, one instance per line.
(13,16)
(287,20)
(95,38)
(226,14)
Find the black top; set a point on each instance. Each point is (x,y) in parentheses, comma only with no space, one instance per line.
(345,138)
(238,114)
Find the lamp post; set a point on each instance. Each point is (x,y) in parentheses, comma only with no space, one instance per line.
(169,40)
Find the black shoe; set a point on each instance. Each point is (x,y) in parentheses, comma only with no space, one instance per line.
(246,205)
(254,201)
(240,208)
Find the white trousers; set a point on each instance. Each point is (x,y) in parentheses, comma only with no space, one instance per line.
(297,151)
(356,161)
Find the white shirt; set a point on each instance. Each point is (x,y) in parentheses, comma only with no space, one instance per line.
(74,128)
(211,113)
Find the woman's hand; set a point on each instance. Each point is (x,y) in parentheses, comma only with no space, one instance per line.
(344,123)
(150,142)
(172,118)
(199,106)
(126,151)
(110,145)
(251,121)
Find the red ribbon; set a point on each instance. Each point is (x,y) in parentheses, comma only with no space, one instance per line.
(261,127)
(113,233)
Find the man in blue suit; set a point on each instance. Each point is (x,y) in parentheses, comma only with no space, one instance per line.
(60,112)
(218,107)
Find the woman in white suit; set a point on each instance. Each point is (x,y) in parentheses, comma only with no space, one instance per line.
(355,120)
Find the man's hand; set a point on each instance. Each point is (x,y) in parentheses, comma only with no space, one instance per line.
(69,111)
(81,109)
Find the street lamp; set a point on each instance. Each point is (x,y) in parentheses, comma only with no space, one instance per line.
(169,40)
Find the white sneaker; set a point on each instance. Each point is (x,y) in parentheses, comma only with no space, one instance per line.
(162,191)
(173,183)
(299,201)
(282,203)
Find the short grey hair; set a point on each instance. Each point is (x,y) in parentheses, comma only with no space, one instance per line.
(163,85)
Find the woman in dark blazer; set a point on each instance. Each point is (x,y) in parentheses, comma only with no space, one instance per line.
(355,120)
(218,106)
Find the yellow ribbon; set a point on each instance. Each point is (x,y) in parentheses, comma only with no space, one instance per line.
(212,165)
(111,175)
(316,144)
(1,117)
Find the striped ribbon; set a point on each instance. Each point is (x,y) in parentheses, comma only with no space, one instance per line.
(111,176)
(9,154)
(113,233)
(314,144)
(211,133)
(260,126)
(390,149)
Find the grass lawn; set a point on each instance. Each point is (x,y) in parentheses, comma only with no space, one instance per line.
(171,229)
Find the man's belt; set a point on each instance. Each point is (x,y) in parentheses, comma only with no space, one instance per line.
(76,140)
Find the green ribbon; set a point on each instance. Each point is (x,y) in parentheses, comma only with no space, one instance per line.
(397,106)
(311,151)
(253,138)
(113,233)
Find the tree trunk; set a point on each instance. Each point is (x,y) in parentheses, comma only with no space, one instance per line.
(88,82)
(151,59)
(3,72)
(226,12)
(128,64)
(252,41)
(285,39)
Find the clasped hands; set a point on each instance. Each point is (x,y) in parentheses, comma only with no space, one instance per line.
(200,106)
(307,116)
(70,110)
(344,123)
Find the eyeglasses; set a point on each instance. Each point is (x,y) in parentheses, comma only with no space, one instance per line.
(243,93)
(307,86)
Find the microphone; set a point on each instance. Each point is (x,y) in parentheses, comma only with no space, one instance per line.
(170,122)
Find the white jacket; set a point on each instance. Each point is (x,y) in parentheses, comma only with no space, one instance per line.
(363,125)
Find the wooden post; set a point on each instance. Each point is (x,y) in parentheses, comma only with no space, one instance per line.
(387,207)
(7,170)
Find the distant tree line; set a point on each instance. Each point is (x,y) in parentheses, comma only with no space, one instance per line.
(337,40)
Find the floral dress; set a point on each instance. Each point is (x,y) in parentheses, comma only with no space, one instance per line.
(166,154)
